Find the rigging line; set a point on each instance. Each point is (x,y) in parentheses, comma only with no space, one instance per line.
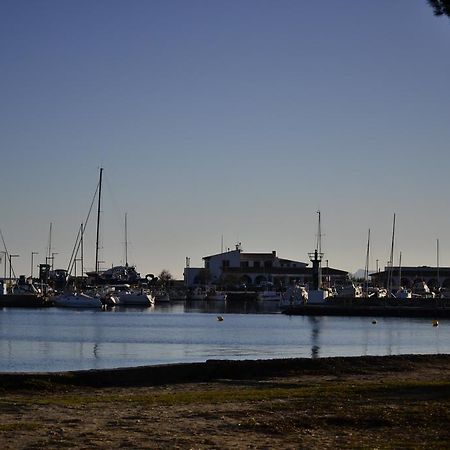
(7,253)
(4,244)
(78,242)
(74,251)
(117,210)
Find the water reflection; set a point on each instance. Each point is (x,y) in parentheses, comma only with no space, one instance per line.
(95,351)
(233,307)
(315,334)
(60,339)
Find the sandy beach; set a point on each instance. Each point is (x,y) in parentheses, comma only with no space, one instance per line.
(361,402)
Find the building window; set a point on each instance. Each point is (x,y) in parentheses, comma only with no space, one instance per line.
(256,264)
(268,264)
(244,264)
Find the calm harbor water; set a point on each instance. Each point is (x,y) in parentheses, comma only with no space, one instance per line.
(55,339)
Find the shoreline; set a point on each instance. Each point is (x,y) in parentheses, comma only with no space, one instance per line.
(353,402)
(216,369)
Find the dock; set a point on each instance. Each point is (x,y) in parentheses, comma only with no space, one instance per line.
(432,308)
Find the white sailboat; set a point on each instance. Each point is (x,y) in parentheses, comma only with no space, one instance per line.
(76,300)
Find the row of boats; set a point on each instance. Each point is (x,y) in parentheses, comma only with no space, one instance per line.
(30,294)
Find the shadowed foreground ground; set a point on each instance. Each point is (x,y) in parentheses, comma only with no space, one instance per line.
(364,402)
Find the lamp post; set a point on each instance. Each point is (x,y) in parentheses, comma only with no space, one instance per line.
(32,255)
(10,265)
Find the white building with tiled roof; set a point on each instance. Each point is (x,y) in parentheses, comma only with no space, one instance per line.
(236,267)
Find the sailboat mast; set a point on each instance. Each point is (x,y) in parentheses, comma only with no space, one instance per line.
(391,260)
(437,263)
(126,242)
(98,220)
(82,250)
(366,271)
(49,250)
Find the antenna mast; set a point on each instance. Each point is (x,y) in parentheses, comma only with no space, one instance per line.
(316,259)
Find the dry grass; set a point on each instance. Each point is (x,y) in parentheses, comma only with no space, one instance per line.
(377,407)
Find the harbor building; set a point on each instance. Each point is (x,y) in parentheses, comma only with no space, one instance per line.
(249,270)
(408,277)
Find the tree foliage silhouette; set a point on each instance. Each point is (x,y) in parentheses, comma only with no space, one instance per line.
(440,7)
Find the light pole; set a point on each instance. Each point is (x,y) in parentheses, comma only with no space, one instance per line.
(32,255)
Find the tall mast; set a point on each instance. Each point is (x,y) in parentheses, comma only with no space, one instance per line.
(366,270)
(391,261)
(98,220)
(82,250)
(49,250)
(126,242)
(437,263)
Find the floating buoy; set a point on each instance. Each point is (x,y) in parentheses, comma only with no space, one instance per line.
(435,323)
(374,321)
(219,318)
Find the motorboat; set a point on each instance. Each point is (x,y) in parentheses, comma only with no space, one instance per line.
(22,294)
(76,300)
(296,294)
(123,295)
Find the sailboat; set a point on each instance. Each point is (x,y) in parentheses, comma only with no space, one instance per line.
(123,294)
(76,300)
(73,298)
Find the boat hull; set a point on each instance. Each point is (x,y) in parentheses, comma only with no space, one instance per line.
(134,300)
(76,301)
(22,301)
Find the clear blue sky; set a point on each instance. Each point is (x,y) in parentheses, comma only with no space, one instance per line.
(233,118)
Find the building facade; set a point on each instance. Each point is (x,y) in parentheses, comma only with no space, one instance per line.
(407,277)
(237,269)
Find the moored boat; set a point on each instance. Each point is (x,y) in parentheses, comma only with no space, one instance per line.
(125,296)
(76,300)
(22,294)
